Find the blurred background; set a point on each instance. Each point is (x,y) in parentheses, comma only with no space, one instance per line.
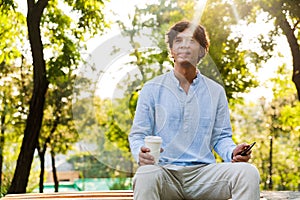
(71,71)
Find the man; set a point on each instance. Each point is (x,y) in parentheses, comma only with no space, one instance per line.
(190,113)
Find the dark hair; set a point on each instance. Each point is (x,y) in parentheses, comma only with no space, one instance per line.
(199,34)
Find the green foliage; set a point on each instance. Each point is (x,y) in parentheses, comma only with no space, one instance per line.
(64,31)
(14,91)
(115,134)
(7,5)
(90,166)
(225,52)
(290,117)
(9,164)
(102,138)
(133,101)
(285,16)
(91,18)
(121,184)
(276,121)
(58,123)
(10,35)
(66,46)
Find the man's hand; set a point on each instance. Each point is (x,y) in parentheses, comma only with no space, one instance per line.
(145,158)
(236,157)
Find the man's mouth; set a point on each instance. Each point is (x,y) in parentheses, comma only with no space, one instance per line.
(184,53)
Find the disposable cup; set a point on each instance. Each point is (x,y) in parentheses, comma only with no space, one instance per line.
(154,144)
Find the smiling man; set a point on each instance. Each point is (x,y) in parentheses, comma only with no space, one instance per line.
(190,113)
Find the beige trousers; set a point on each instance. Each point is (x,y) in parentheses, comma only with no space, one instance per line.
(239,181)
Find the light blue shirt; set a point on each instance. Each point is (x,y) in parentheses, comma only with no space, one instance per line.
(191,125)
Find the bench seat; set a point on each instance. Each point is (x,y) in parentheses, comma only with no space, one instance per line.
(128,194)
(105,195)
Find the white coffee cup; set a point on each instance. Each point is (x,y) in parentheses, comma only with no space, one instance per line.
(154,144)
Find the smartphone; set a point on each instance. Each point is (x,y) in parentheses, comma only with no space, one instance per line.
(244,152)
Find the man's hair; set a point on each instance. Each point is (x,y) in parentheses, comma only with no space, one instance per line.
(199,34)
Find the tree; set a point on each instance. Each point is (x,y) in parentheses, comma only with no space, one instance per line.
(101,139)
(58,131)
(35,116)
(273,125)
(287,120)
(286,18)
(65,47)
(14,97)
(14,85)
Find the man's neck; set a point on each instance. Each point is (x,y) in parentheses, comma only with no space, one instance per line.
(185,74)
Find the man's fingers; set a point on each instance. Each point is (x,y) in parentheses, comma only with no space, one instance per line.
(145,149)
(144,161)
(145,158)
(239,158)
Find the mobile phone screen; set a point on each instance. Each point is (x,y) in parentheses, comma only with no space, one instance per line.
(244,152)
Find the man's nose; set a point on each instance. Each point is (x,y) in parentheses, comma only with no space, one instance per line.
(185,43)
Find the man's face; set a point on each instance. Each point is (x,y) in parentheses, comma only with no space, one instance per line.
(186,49)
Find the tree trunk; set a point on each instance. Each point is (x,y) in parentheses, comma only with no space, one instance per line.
(42,160)
(54,173)
(34,120)
(2,145)
(42,153)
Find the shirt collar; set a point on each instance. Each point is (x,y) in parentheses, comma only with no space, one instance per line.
(195,81)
